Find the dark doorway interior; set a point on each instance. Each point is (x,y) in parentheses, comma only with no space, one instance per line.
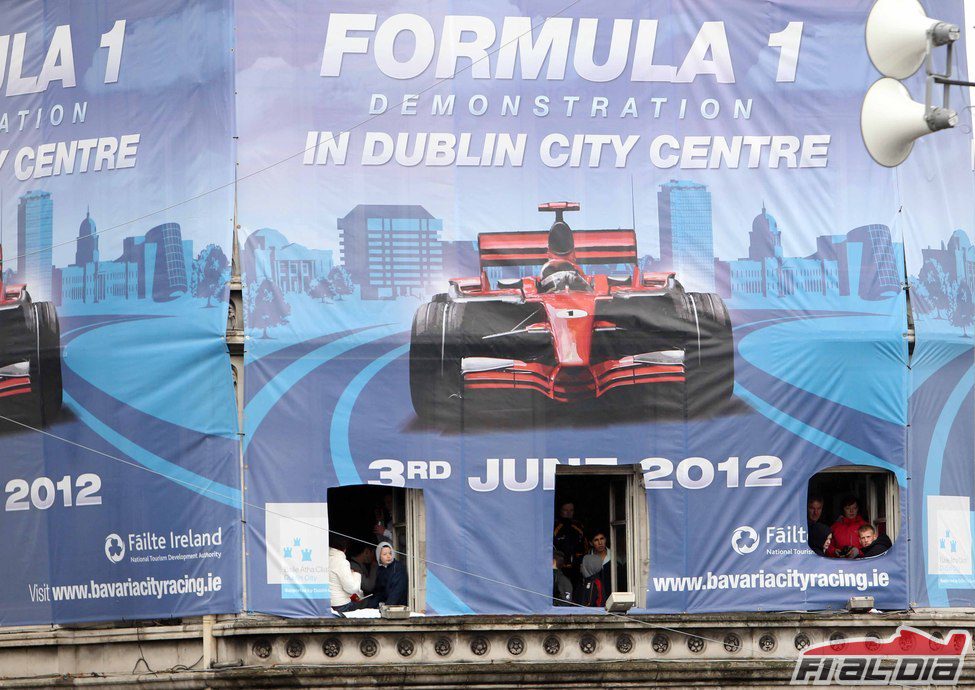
(368,513)
(599,502)
(589,494)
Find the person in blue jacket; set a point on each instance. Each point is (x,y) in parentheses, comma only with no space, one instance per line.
(392,582)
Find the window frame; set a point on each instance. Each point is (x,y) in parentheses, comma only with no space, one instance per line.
(890,491)
(636,521)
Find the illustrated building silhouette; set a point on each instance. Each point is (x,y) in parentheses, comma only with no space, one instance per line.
(867,259)
(768,273)
(87,246)
(956,257)
(170,262)
(163,259)
(89,280)
(35,227)
(686,233)
(391,250)
(267,254)
(765,239)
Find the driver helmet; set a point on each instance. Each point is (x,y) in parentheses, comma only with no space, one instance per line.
(557,266)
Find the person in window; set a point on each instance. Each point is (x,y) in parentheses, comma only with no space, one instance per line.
(589,591)
(844,538)
(871,544)
(361,560)
(382,528)
(817,530)
(600,549)
(569,538)
(561,585)
(343,583)
(392,582)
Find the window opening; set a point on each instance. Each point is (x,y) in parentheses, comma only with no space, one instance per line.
(600,532)
(877,504)
(373,514)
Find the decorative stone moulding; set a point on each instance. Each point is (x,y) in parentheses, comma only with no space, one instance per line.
(294,647)
(732,643)
(516,645)
(480,645)
(368,647)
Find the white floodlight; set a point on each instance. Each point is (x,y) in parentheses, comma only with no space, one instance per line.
(394,612)
(890,121)
(860,604)
(900,36)
(620,602)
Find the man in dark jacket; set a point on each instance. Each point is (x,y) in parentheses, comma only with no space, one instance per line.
(361,560)
(569,538)
(871,544)
(818,531)
(589,590)
(561,585)
(392,582)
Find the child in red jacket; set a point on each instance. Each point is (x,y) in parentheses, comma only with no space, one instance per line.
(844,538)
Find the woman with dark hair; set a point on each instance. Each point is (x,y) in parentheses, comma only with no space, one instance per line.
(844,538)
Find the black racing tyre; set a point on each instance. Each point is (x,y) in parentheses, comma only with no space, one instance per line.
(435,377)
(46,363)
(646,324)
(709,355)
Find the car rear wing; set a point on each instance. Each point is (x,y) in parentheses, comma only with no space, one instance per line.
(531,248)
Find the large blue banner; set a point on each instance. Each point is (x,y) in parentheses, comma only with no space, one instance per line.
(119,447)
(711,304)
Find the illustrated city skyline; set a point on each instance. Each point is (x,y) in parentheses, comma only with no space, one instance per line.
(863,262)
(158,265)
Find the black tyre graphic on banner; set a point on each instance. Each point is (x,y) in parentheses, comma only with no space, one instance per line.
(709,353)
(46,362)
(30,362)
(435,376)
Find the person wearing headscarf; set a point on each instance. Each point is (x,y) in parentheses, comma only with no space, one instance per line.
(392,582)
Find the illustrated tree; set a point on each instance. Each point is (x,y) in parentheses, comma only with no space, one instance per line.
(341,281)
(963,312)
(268,308)
(210,273)
(920,298)
(321,288)
(937,285)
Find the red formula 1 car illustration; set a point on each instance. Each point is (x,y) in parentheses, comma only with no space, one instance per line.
(30,356)
(566,336)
